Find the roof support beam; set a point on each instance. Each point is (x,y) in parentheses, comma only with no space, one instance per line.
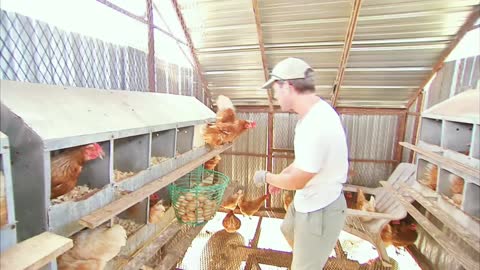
(256,12)
(192,50)
(469,23)
(346,50)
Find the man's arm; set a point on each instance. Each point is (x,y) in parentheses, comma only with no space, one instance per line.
(290,178)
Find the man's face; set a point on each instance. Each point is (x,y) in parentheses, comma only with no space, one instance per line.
(282,92)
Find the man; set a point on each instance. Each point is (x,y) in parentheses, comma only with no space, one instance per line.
(317,215)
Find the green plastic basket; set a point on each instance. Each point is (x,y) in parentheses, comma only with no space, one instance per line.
(197,195)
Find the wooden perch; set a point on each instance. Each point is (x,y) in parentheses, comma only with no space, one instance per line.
(442,238)
(443,161)
(35,252)
(151,248)
(353,188)
(469,238)
(104,214)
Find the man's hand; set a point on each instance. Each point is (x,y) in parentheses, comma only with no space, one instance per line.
(273,189)
(260,178)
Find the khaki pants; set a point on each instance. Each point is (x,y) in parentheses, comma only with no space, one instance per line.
(314,234)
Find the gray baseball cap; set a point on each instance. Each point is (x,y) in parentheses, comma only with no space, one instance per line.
(287,69)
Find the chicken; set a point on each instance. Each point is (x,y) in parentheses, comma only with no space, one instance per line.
(212,163)
(231,223)
(430,176)
(287,199)
(351,199)
(231,201)
(3,201)
(364,205)
(399,233)
(249,208)
(227,127)
(93,248)
(456,184)
(67,166)
(157,211)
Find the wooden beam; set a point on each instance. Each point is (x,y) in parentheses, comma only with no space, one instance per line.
(245,154)
(198,67)
(102,215)
(256,12)
(472,18)
(263,212)
(174,254)
(416,124)
(471,239)
(375,215)
(35,252)
(369,111)
(151,48)
(399,137)
(446,162)
(256,236)
(346,50)
(419,258)
(440,237)
(269,151)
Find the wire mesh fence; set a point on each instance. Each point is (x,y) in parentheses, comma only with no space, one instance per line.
(33,51)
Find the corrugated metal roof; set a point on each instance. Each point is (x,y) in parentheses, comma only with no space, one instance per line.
(394,48)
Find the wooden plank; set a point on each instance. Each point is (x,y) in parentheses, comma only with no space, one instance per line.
(35,252)
(151,248)
(354,188)
(439,236)
(470,239)
(174,254)
(256,12)
(151,48)
(444,162)
(346,50)
(472,18)
(245,154)
(375,215)
(102,215)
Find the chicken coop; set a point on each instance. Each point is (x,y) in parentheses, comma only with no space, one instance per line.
(116,152)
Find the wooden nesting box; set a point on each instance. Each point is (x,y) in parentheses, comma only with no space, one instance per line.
(448,151)
(8,234)
(144,136)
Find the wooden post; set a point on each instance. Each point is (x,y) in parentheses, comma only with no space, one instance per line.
(416,124)
(151,48)
(269,149)
(400,136)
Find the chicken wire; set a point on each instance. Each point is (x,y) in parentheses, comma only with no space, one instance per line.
(284,130)
(241,169)
(253,140)
(33,51)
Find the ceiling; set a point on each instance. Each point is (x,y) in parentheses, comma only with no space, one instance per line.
(395,46)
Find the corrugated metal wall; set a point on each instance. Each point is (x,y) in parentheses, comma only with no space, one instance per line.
(370,137)
(36,52)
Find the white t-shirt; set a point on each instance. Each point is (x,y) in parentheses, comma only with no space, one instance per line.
(321,148)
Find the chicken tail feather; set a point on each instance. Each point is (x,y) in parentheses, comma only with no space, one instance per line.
(224,103)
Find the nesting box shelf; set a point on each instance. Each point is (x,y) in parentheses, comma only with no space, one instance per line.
(8,234)
(131,127)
